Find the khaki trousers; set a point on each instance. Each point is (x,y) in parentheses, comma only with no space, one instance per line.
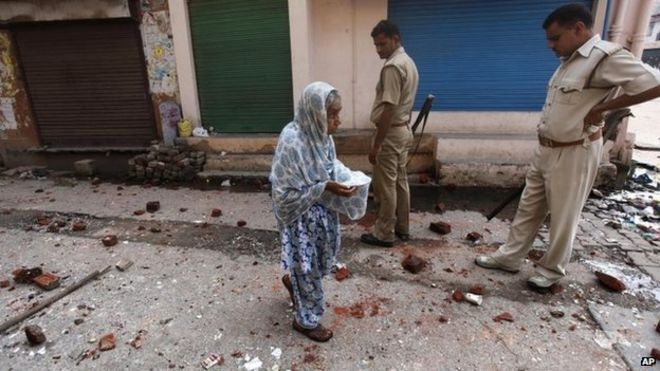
(390,183)
(558,182)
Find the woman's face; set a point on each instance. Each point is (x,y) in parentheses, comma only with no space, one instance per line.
(333,116)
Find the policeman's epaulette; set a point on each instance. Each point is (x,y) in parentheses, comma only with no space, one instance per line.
(608,47)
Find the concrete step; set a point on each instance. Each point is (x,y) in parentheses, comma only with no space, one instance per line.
(484,148)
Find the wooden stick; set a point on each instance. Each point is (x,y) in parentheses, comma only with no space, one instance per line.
(15,320)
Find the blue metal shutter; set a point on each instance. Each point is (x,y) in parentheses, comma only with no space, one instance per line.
(478,55)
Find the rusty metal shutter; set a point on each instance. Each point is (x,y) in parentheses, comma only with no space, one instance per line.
(87,82)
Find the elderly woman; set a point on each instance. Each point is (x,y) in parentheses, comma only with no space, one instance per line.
(309,188)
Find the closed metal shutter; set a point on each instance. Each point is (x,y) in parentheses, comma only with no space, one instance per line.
(243,64)
(478,55)
(87,82)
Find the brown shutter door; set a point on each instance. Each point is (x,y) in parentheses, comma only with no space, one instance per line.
(87,82)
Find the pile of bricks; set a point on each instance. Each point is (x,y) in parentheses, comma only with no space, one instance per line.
(166,163)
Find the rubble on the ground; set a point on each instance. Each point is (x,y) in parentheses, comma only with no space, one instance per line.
(109,240)
(505,316)
(413,264)
(47,281)
(107,342)
(34,334)
(440,227)
(636,208)
(166,163)
(610,282)
(153,206)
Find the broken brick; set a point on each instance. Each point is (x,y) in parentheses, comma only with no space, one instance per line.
(183,209)
(474,237)
(47,281)
(476,290)
(24,275)
(443,319)
(413,264)
(153,206)
(139,212)
(155,230)
(107,342)
(440,227)
(572,327)
(53,228)
(505,316)
(655,353)
(78,226)
(34,334)
(424,178)
(556,313)
(216,213)
(4,284)
(241,223)
(342,273)
(458,296)
(109,240)
(78,321)
(44,221)
(610,282)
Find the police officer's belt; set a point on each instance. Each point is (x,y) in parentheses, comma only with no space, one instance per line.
(545,142)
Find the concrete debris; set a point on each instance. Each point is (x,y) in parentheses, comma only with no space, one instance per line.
(277,353)
(137,341)
(34,334)
(572,327)
(413,264)
(109,240)
(212,360)
(107,342)
(123,264)
(440,228)
(474,299)
(23,275)
(505,316)
(610,282)
(254,364)
(153,206)
(47,281)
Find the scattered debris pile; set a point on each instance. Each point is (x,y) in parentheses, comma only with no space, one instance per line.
(166,163)
(636,208)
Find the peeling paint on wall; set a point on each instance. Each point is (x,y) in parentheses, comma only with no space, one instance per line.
(159,51)
(7,85)
(49,10)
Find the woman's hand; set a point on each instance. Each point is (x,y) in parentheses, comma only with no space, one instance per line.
(340,189)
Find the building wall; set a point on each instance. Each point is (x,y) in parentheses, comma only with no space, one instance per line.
(17,130)
(49,10)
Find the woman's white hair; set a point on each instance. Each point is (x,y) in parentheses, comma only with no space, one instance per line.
(332,99)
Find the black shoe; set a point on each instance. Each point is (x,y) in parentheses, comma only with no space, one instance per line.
(370,239)
(405,237)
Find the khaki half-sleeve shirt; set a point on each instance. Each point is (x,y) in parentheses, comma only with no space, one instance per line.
(572,94)
(397,85)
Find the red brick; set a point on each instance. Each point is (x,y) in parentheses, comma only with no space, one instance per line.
(107,342)
(109,240)
(47,281)
(611,282)
(458,296)
(34,334)
(153,206)
(476,290)
(440,227)
(572,327)
(342,273)
(216,213)
(78,226)
(4,284)
(474,237)
(504,316)
(139,212)
(241,223)
(655,353)
(24,275)
(413,264)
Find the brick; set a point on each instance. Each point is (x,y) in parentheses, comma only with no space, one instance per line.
(440,228)
(153,206)
(109,240)
(342,273)
(4,284)
(35,334)
(458,296)
(241,223)
(24,275)
(47,281)
(505,316)
(216,213)
(611,282)
(413,264)
(78,226)
(474,236)
(107,342)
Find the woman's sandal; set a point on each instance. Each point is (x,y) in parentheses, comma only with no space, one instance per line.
(286,281)
(319,333)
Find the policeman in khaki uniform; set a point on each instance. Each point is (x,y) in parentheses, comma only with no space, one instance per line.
(395,95)
(566,160)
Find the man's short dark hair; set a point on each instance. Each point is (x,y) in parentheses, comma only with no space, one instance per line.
(569,15)
(386,27)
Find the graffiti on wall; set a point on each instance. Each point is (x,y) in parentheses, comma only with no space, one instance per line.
(159,50)
(8,88)
(170,115)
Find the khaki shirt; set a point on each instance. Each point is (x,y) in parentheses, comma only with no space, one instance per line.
(397,85)
(569,100)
